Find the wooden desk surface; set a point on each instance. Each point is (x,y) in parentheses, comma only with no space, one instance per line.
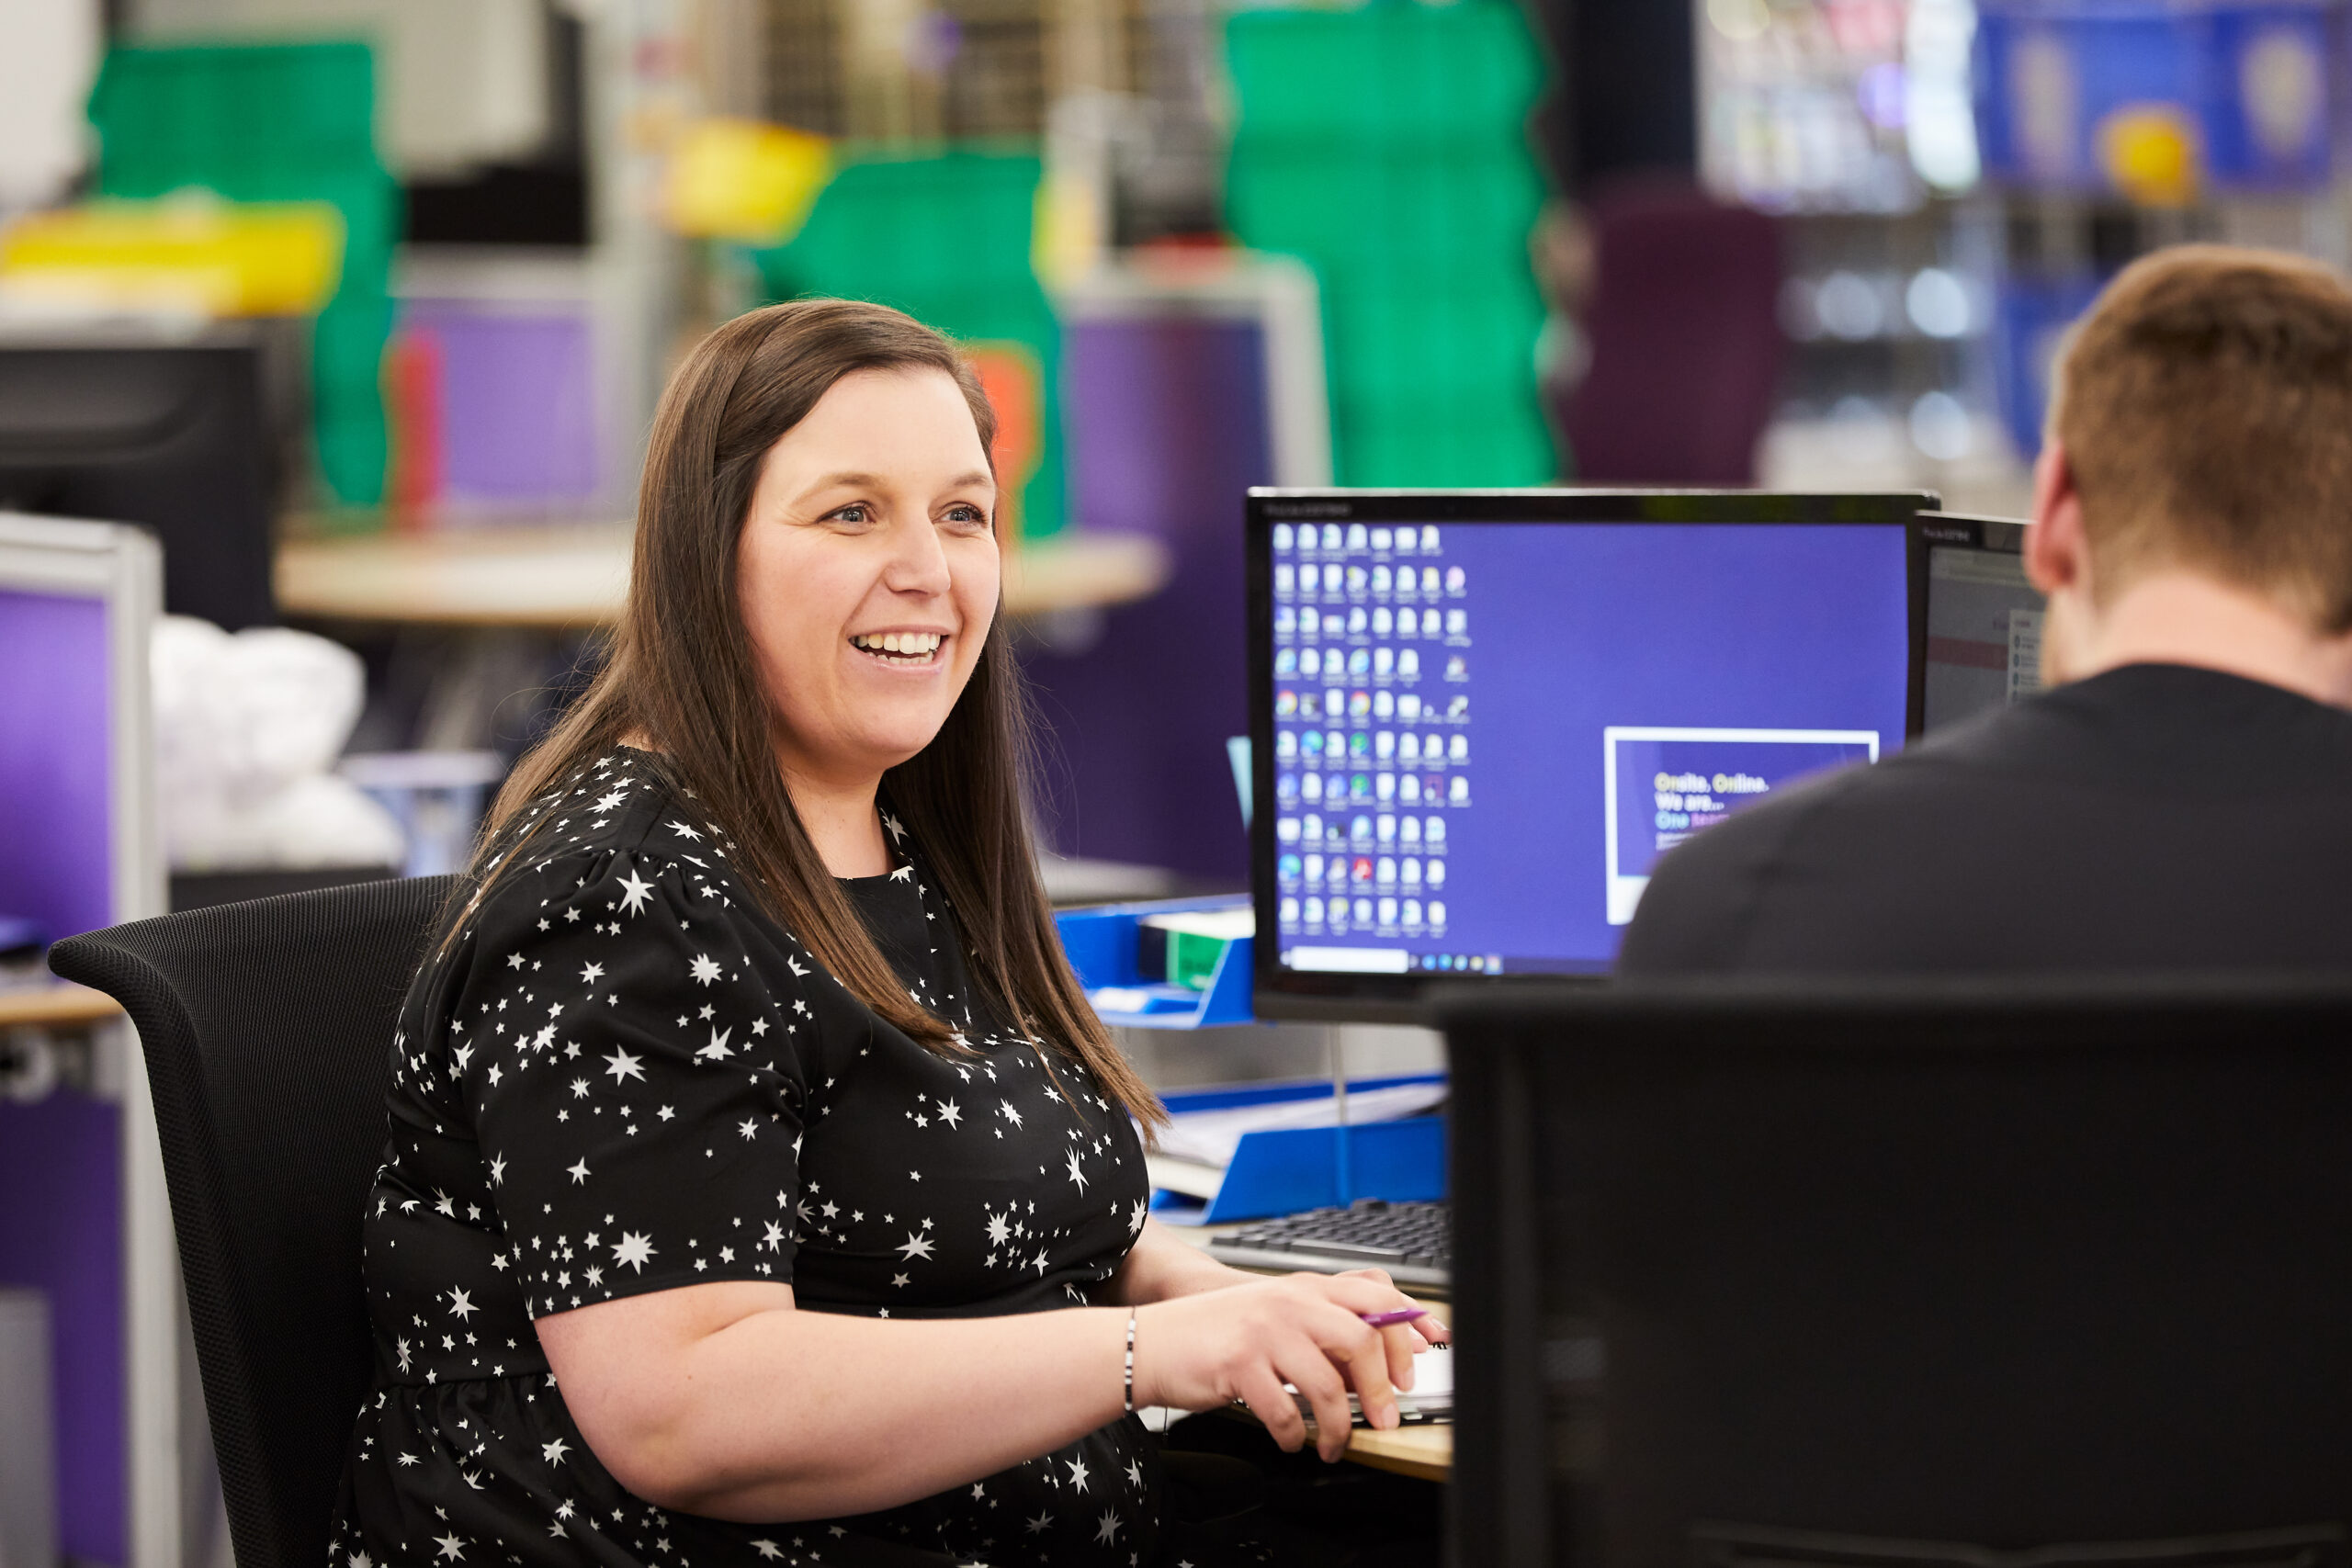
(58,1004)
(576,575)
(1424,1452)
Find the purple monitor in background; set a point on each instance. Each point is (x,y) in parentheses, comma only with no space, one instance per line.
(1168,427)
(517,402)
(77,852)
(56,825)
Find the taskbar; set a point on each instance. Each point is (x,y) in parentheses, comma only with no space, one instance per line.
(1328,960)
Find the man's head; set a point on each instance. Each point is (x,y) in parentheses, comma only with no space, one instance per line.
(2201,428)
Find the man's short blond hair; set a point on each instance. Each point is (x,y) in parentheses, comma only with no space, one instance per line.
(2205,406)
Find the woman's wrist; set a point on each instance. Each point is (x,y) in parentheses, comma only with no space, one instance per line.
(1145,1385)
(1130,1387)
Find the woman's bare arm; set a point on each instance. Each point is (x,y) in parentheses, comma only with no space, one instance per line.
(724,1400)
(1160,1265)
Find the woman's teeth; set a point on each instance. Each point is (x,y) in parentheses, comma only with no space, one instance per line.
(912,645)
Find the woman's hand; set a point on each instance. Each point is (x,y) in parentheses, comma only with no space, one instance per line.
(1427,1332)
(1244,1342)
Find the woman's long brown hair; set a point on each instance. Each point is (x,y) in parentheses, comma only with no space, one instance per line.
(681,676)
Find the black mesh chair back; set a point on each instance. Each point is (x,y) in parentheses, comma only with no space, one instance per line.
(1746,1274)
(267,1029)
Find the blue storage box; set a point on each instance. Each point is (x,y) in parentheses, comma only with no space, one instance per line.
(2082,95)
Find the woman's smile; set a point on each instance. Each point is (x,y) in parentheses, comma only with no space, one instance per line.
(911,649)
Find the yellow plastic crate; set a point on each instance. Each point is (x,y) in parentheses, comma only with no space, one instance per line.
(219,258)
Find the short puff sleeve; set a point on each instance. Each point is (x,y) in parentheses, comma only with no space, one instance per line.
(633,1072)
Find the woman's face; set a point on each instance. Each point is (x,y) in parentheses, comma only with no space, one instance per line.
(868,571)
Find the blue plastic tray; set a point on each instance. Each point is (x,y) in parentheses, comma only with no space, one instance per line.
(1101,942)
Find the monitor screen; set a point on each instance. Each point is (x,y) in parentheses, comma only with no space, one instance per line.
(1984,641)
(1480,719)
(172,436)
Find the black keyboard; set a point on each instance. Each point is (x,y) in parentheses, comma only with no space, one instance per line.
(1413,1241)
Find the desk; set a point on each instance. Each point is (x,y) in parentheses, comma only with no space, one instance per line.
(58,1004)
(1424,1452)
(576,575)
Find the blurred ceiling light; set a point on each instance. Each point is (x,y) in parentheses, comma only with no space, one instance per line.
(1740,20)
(1880,92)
(1941,427)
(1848,307)
(1938,303)
(1939,119)
(1860,434)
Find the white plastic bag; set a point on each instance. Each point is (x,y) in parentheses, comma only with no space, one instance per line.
(247,728)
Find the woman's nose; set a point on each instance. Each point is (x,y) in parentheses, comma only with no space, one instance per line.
(918,561)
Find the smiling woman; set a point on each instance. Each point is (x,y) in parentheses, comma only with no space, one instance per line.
(748,1110)
(869,593)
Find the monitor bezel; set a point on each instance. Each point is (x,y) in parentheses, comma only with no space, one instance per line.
(1280,993)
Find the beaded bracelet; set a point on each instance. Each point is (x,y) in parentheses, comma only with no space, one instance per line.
(1131,1360)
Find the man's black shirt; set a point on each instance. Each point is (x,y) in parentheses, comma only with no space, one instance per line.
(2153,818)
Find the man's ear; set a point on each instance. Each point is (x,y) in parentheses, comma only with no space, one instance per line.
(2057,556)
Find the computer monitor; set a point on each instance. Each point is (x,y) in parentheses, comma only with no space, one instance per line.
(1478,718)
(174,436)
(1983,618)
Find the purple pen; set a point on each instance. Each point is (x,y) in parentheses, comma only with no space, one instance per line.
(1402,1315)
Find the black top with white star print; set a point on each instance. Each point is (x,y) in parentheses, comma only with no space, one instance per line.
(622,1078)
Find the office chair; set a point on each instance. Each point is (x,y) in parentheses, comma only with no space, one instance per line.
(268,1029)
(1942,1273)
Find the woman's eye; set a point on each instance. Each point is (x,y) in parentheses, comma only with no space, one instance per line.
(970,516)
(853,512)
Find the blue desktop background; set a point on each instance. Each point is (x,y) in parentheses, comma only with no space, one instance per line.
(1575,627)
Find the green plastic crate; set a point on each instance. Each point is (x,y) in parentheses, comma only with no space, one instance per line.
(190,114)
(353,453)
(1445,348)
(1389,72)
(1385,146)
(947,239)
(1466,441)
(347,393)
(1423,207)
(275,122)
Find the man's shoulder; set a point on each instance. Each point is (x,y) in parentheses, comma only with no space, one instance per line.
(1859,837)
(2114,817)
(1817,805)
